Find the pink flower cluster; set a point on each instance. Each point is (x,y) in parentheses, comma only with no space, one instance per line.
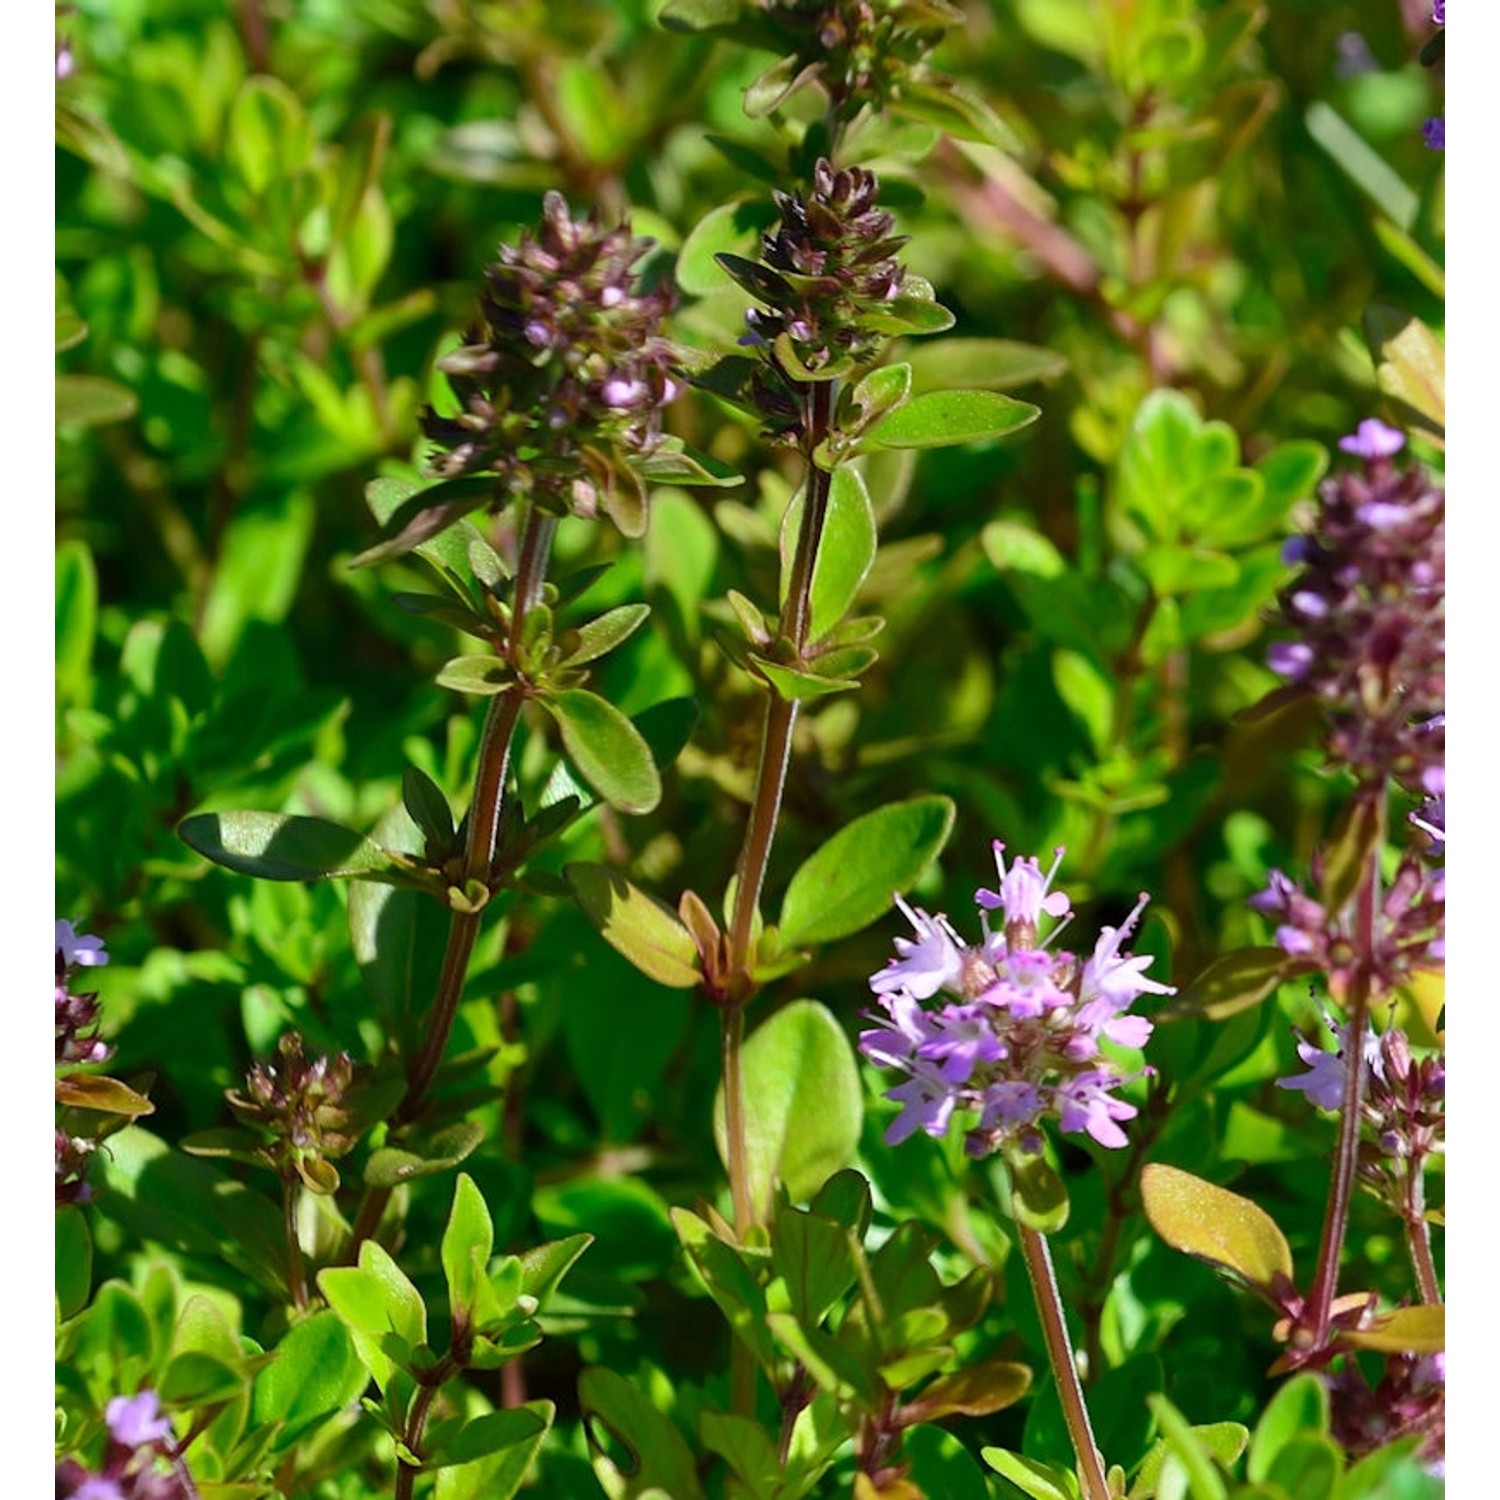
(1009,1029)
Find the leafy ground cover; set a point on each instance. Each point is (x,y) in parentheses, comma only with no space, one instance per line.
(750,730)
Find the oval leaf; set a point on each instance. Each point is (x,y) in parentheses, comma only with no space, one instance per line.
(803,1103)
(392,1165)
(642,929)
(846,549)
(1408,1330)
(278,846)
(941,419)
(1232,983)
(848,883)
(1216,1225)
(607,748)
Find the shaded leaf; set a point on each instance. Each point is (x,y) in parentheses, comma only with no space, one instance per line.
(281,846)
(644,930)
(620,1419)
(607,748)
(392,1165)
(975,1391)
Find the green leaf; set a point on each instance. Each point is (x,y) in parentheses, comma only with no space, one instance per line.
(160,1194)
(681,552)
(607,748)
(267,135)
(75,601)
(1233,982)
(1218,1226)
(1380,182)
(428,807)
(955,110)
(280,846)
(1039,1198)
(644,930)
(802,1101)
(848,883)
(981,365)
(904,315)
(813,1258)
(730,1282)
(601,635)
(92,401)
(484,675)
(1299,1406)
(732,228)
(504,1444)
(390,1166)
(381,1309)
(467,1241)
(73,1261)
(315,1373)
(796,686)
(422,514)
(941,419)
(543,1267)
(777,84)
(1172,569)
(1225,1441)
(845,550)
(1308,1465)
(1185,1444)
(745,1446)
(621,1420)
(1410,367)
(1040,1481)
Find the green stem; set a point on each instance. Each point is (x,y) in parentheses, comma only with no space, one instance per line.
(1318,1312)
(296,1273)
(1038,1257)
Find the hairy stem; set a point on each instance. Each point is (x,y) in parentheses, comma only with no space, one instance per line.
(765,804)
(479,852)
(1038,1258)
(1418,1240)
(484,814)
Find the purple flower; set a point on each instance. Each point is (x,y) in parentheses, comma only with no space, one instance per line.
(1114,977)
(1435,133)
(1025,893)
(1085,1103)
(926,965)
(1323,1083)
(136,1420)
(926,1104)
(1019,1029)
(1373,439)
(961,1041)
(1439,12)
(87,951)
